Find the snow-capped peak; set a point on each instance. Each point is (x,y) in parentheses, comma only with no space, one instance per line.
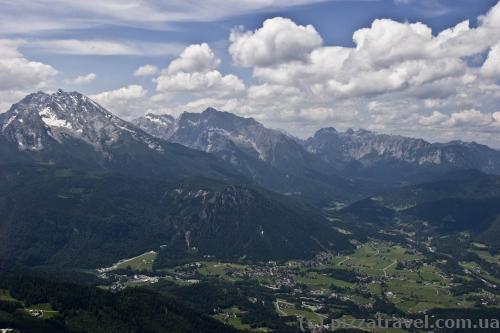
(40,119)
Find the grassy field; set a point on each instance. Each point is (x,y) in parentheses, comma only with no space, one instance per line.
(472,266)
(432,274)
(5,296)
(232,316)
(143,262)
(220,270)
(479,246)
(343,231)
(411,290)
(485,255)
(374,257)
(45,308)
(411,296)
(286,309)
(315,280)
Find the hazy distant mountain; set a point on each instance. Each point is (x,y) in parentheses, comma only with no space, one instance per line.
(269,157)
(459,201)
(393,158)
(67,128)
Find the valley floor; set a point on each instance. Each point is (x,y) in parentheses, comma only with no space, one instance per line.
(380,278)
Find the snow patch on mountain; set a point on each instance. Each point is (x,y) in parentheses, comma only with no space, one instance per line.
(51,119)
(41,119)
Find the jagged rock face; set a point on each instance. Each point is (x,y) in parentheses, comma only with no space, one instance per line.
(214,131)
(41,120)
(341,148)
(271,158)
(160,126)
(68,129)
(227,135)
(376,160)
(223,133)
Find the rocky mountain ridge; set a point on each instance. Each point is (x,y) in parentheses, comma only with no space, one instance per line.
(357,154)
(39,119)
(68,129)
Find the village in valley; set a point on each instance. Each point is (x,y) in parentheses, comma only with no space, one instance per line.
(380,278)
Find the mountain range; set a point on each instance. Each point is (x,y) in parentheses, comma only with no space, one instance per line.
(80,186)
(394,159)
(362,157)
(69,129)
(268,157)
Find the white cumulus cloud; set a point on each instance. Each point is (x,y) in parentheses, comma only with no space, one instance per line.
(18,72)
(468,118)
(146,70)
(435,118)
(195,71)
(82,79)
(491,67)
(194,58)
(278,40)
(212,81)
(399,77)
(127,102)
(124,94)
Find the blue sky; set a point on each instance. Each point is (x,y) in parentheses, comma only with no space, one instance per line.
(303,70)
(334,20)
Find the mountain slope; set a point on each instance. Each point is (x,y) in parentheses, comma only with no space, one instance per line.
(459,201)
(53,216)
(232,221)
(212,130)
(69,129)
(396,159)
(91,309)
(330,166)
(269,157)
(41,120)
(160,126)
(466,185)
